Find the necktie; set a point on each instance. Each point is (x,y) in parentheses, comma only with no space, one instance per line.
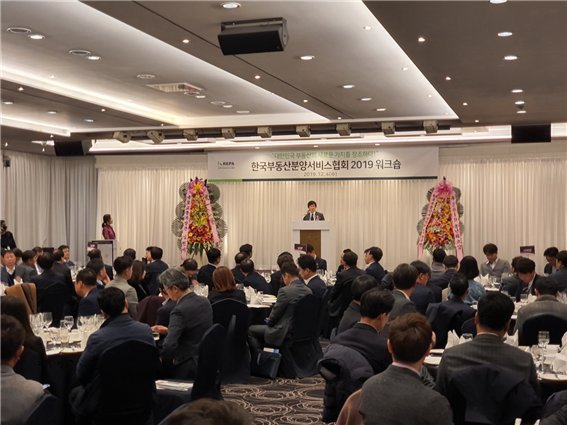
(312,217)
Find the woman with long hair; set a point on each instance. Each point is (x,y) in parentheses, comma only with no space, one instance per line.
(225,286)
(107,230)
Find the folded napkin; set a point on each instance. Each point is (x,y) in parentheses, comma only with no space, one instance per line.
(452,339)
(512,339)
(559,364)
(483,279)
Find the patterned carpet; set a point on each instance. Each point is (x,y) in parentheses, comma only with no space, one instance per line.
(281,401)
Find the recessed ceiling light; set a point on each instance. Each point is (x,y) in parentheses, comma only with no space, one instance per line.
(43,149)
(79,52)
(243,111)
(498,1)
(5,144)
(522,111)
(517,91)
(18,30)
(339,118)
(505,34)
(430,96)
(376,144)
(448,78)
(421,39)
(20,88)
(380,109)
(315,146)
(52,76)
(257,77)
(510,57)
(230,5)
(94,58)
(405,68)
(103,110)
(7,102)
(51,112)
(257,147)
(185,41)
(89,120)
(365,99)
(36,36)
(227,106)
(476,121)
(367,28)
(307,57)
(218,102)
(145,76)
(348,86)
(465,104)
(519,102)
(51,136)
(200,96)
(305,100)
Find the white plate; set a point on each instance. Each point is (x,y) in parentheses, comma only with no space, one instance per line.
(53,352)
(437,351)
(432,361)
(553,377)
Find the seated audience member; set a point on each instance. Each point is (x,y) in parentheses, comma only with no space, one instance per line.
(555,410)
(51,288)
(33,362)
(510,284)
(437,267)
(423,294)
(494,266)
(341,261)
(550,255)
(130,252)
(191,317)
(8,271)
(60,267)
(246,249)
(372,257)
(225,287)
(546,303)
(451,264)
(190,268)
(66,255)
(308,272)
(341,293)
(18,394)
(405,277)
(88,291)
(155,309)
(95,254)
(397,395)
(320,263)
(253,278)
(488,347)
(97,266)
(123,267)
(351,316)
(276,279)
(459,286)
(136,281)
(154,267)
(237,273)
(469,267)
(18,254)
(525,269)
(560,275)
(205,274)
(279,323)
(209,412)
(26,269)
(164,311)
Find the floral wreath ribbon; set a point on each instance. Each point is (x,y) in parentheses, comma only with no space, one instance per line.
(186,216)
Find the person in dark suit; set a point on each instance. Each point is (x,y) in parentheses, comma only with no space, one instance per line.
(189,320)
(8,241)
(550,255)
(372,257)
(307,271)
(405,277)
(205,274)
(8,271)
(423,295)
(237,273)
(154,268)
(253,278)
(51,288)
(26,269)
(86,288)
(360,285)
(66,255)
(279,323)
(312,214)
(525,270)
(190,268)
(276,279)
(341,294)
(437,267)
(560,275)
(510,283)
(95,254)
(70,298)
(225,287)
(397,395)
(320,263)
(451,263)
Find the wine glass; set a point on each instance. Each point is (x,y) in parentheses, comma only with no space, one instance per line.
(68,322)
(542,339)
(36,322)
(47,319)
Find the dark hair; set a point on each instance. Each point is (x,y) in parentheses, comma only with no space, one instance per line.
(138,269)
(514,262)
(307,262)
(495,310)
(62,247)
(223,280)
(309,248)
(94,253)
(551,252)
(17,308)
(130,252)
(350,258)
(525,265)
(290,269)
(562,256)
(469,267)
(238,258)
(410,337)
(7,251)
(58,255)
(247,266)
(213,255)
(450,261)
(490,248)
(421,267)
(112,301)
(105,219)
(246,248)
(545,286)
(28,255)
(13,336)
(210,412)
(37,249)
(156,252)
(190,265)
(439,255)
(459,284)
(311,203)
(376,301)
(284,257)
(87,276)
(121,264)
(17,252)
(376,253)
(96,265)
(45,261)
(405,276)
(362,284)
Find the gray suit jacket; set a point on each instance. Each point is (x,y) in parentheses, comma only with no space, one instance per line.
(545,304)
(398,397)
(280,320)
(18,396)
(25,272)
(501,266)
(401,305)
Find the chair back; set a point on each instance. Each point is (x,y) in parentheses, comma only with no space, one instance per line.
(26,291)
(468,327)
(443,319)
(147,309)
(211,347)
(306,319)
(47,410)
(127,374)
(324,313)
(556,326)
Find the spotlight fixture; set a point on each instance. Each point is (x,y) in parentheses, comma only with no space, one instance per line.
(155,136)
(191,134)
(265,132)
(303,130)
(430,126)
(228,133)
(343,129)
(388,128)
(122,136)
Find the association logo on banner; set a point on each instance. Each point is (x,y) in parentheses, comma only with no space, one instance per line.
(401,163)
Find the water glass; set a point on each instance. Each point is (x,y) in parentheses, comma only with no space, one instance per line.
(64,337)
(542,339)
(47,319)
(68,322)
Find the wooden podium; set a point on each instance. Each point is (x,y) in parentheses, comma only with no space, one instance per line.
(320,234)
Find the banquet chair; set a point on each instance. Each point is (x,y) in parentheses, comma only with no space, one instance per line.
(301,350)
(469,327)
(444,319)
(527,334)
(208,379)
(147,309)
(234,316)
(26,291)
(47,410)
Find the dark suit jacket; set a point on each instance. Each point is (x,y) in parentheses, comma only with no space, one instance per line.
(318,216)
(257,281)
(237,295)
(443,280)
(205,275)
(51,292)
(25,272)
(276,282)
(350,317)
(280,320)
(321,264)
(63,270)
(422,296)
(437,292)
(164,312)
(153,270)
(522,288)
(341,294)
(317,286)
(401,305)
(7,277)
(376,270)
(560,277)
(366,340)
(88,305)
(237,273)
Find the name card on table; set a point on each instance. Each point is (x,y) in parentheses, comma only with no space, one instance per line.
(365,164)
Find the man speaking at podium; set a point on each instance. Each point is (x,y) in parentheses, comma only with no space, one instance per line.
(312,214)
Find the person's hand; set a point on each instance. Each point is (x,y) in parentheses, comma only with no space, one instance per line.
(162,330)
